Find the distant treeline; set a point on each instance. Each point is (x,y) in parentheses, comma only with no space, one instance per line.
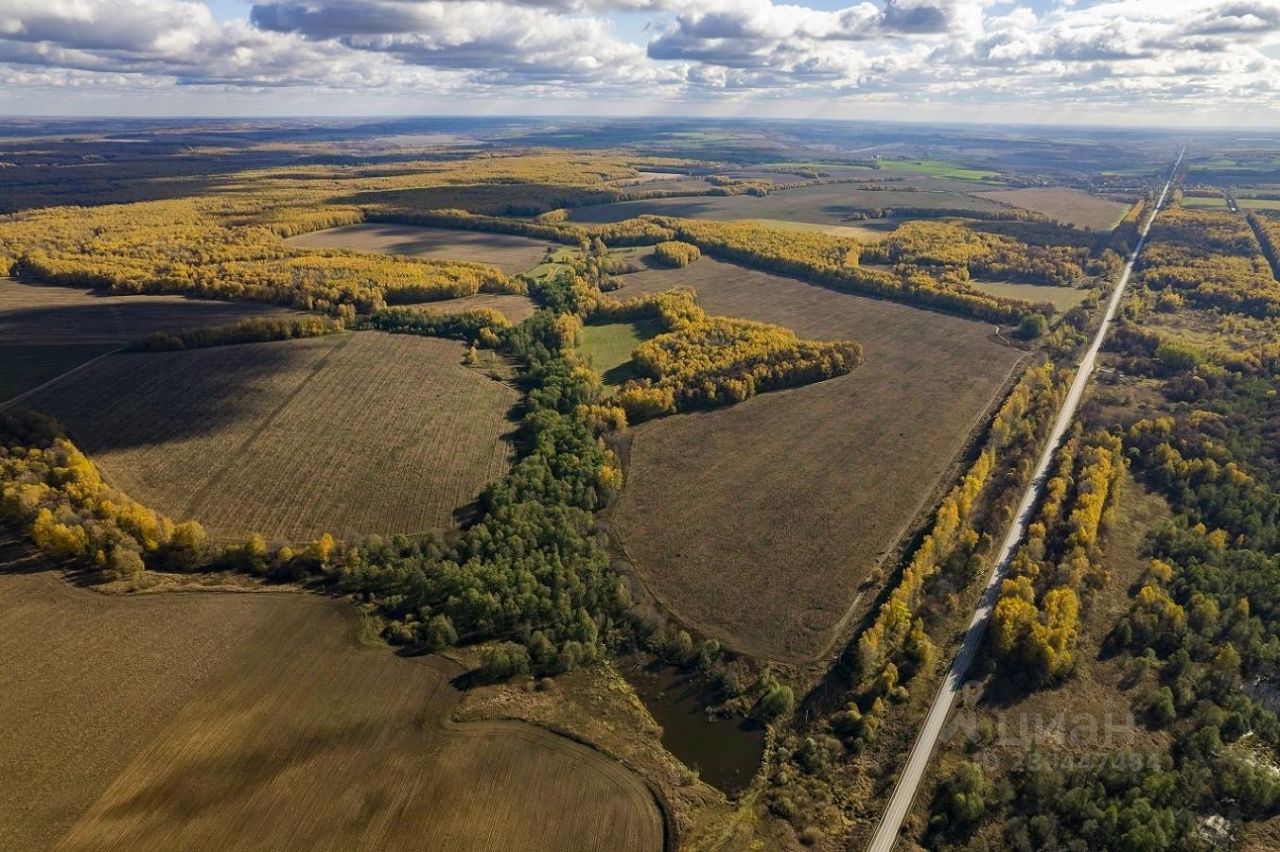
(834,262)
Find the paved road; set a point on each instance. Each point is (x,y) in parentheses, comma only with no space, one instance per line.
(904,792)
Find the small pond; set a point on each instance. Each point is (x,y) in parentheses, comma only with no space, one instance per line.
(725,752)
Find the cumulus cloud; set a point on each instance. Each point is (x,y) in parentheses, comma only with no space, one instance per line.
(174,39)
(499,41)
(1140,51)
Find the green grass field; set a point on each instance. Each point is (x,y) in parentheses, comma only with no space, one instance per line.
(609,346)
(1062,298)
(1258,203)
(938,168)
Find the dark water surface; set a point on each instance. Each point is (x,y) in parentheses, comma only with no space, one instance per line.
(725,752)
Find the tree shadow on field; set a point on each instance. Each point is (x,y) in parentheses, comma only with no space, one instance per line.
(18,556)
(145,399)
(100,317)
(426,240)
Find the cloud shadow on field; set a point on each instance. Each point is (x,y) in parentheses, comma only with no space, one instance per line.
(199,786)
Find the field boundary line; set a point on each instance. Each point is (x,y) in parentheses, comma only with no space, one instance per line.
(76,369)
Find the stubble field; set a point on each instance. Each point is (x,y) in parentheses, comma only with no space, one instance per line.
(258,721)
(758,523)
(509,253)
(831,204)
(1072,206)
(350,434)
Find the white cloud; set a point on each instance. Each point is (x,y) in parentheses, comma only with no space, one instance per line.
(1143,52)
(502,43)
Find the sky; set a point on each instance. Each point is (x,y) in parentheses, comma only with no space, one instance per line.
(1167,62)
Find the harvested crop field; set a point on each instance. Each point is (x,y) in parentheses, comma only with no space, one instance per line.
(1073,206)
(1062,298)
(832,204)
(514,307)
(224,720)
(509,253)
(45,331)
(351,434)
(758,523)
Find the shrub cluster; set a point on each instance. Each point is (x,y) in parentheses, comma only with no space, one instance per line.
(676,254)
(480,325)
(702,361)
(51,490)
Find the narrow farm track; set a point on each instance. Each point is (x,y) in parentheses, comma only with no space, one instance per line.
(12,401)
(904,792)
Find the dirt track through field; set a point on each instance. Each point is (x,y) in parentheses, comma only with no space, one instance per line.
(257,721)
(48,332)
(758,523)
